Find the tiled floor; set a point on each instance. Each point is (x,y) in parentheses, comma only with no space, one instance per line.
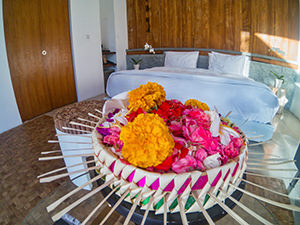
(19,165)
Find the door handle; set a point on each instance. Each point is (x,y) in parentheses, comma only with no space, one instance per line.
(44,52)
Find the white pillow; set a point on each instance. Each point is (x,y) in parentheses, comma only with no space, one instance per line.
(230,64)
(181,59)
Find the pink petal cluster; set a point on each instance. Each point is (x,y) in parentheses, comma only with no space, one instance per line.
(113,138)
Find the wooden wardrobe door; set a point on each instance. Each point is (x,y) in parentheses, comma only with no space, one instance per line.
(23,44)
(55,35)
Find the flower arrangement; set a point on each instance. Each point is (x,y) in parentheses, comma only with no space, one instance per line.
(167,136)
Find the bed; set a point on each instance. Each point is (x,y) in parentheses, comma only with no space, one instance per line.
(246,99)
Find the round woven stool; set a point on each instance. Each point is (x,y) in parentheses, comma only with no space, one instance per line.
(74,139)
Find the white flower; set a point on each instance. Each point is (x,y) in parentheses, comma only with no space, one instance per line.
(147,46)
(212,161)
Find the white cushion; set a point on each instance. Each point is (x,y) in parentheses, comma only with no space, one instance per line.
(181,59)
(229,64)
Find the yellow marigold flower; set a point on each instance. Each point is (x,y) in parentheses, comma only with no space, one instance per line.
(146,141)
(197,104)
(146,96)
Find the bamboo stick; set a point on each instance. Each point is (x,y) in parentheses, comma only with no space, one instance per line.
(270,164)
(267,160)
(92,115)
(114,207)
(278,204)
(65,156)
(181,210)
(85,120)
(263,175)
(52,178)
(69,128)
(147,210)
(262,187)
(246,209)
(66,150)
(63,198)
(79,201)
(73,135)
(165,210)
(206,215)
(228,114)
(97,110)
(99,205)
(255,137)
(132,209)
(229,211)
(63,168)
(71,142)
(269,169)
(263,154)
(259,143)
(81,124)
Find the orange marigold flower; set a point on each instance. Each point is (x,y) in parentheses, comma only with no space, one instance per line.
(146,96)
(197,104)
(147,141)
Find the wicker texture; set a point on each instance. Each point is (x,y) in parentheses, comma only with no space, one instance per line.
(64,116)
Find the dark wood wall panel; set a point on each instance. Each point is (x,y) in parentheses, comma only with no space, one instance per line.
(267,27)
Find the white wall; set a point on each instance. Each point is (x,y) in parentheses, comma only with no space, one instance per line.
(86,47)
(107,24)
(121,34)
(9,113)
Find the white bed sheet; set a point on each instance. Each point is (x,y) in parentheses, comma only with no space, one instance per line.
(246,98)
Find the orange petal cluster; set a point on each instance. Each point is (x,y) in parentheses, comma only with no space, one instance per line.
(146,96)
(147,141)
(197,104)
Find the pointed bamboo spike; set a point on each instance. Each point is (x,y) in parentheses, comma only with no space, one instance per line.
(71,142)
(50,152)
(115,206)
(270,164)
(99,205)
(246,209)
(228,210)
(63,168)
(206,215)
(255,137)
(259,143)
(67,150)
(147,210)
(243,123)
(92,115)
(74,129)
(58,215)
(165,209)
(267,189)
(269,169)
(227,114)
(65,156)
(263,175)
(63,198)
(52,178)
(97,110)
(82,125)
(73,135)
(85,120)
(278,204)
(132,209)
(182,213)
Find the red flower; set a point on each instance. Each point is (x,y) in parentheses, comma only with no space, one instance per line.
(165,165)
(131,116)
